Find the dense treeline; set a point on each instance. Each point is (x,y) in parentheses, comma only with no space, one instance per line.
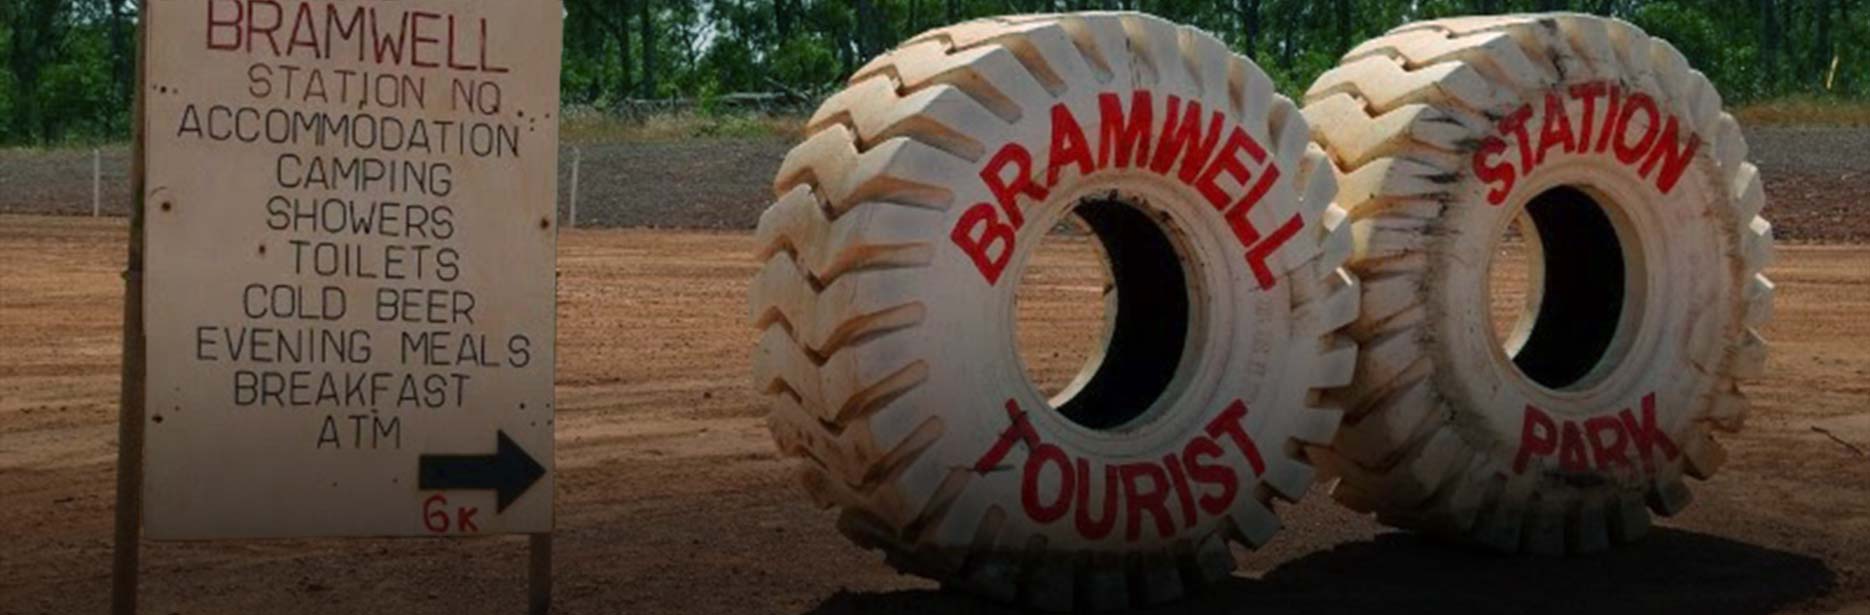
(68,63)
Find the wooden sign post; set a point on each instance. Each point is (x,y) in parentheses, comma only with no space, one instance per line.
(340,300)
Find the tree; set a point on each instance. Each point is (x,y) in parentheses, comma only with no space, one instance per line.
(1770,34)
(614,16)
(65,65)
(1342,17)
(1249,11)
(647,15)
(785,13)
(1821,52)
(37,34)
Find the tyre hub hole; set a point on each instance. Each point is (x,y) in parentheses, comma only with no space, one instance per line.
(1558,284)
(1103,314)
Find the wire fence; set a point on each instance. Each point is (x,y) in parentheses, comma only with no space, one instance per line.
(1814,175)
(699,183)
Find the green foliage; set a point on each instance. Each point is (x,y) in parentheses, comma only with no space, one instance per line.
(61,79)
(65,64)
(804,62)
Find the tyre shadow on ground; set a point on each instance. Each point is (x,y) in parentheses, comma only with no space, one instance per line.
(1671,571)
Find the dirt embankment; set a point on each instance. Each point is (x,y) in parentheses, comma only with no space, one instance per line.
(1816,180)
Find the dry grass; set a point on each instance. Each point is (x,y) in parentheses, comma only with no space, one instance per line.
(583,125)
(1806,111)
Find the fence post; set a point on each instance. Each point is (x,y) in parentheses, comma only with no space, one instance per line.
(126,543)
(577,157)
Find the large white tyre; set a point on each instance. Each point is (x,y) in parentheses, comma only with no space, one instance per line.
(1641,218)
(886,306)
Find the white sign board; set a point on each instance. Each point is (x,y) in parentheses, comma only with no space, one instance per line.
(350,233)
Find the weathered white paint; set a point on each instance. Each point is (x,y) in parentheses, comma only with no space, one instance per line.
(217,468)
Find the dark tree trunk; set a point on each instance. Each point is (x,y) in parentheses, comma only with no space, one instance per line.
(123,58)
(1250,26)
(1341,16)
(784,12)
(614,16)
(35,36)
(1788,60)
(865,32)
(1769,45)
(1844,21)
(625,65)
(1821,49)
(1286,44)
(648,16)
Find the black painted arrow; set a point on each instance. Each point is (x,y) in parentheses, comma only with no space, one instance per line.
(509,471)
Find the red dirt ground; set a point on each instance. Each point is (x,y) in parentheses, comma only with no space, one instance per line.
(672,499)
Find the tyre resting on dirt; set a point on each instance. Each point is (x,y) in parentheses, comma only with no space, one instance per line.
(1641,218)
(885,306)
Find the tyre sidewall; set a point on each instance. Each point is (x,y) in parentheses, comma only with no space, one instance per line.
(1240,341)
(1684,286)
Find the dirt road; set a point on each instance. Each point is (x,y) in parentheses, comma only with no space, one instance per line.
(671,498)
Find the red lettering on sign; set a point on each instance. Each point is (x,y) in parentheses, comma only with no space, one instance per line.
(1029,498)
(1515,124)
(464,520)
(254,29)
(1019,431)
(434,517)
(1211,474)
(1500,174)
(417,40)
(1674,155)
(1183,497)
(383,36)
(1587,94)
(1646,435)
(436,520)
(1140,499)
(1229,162)
(1631,129)
(1602,442)
(1538,437)
(985,240)
(1068,146)
(988,237)
(1607,441)
(1141,493)
(1571,448)
(1186,139)
(221,25)
(1259,249)
(1627,152)
(1089,526)
(1232,423)
(1124,136)
(1555,131)
(304,33)
(1007,188)
(1610,119)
